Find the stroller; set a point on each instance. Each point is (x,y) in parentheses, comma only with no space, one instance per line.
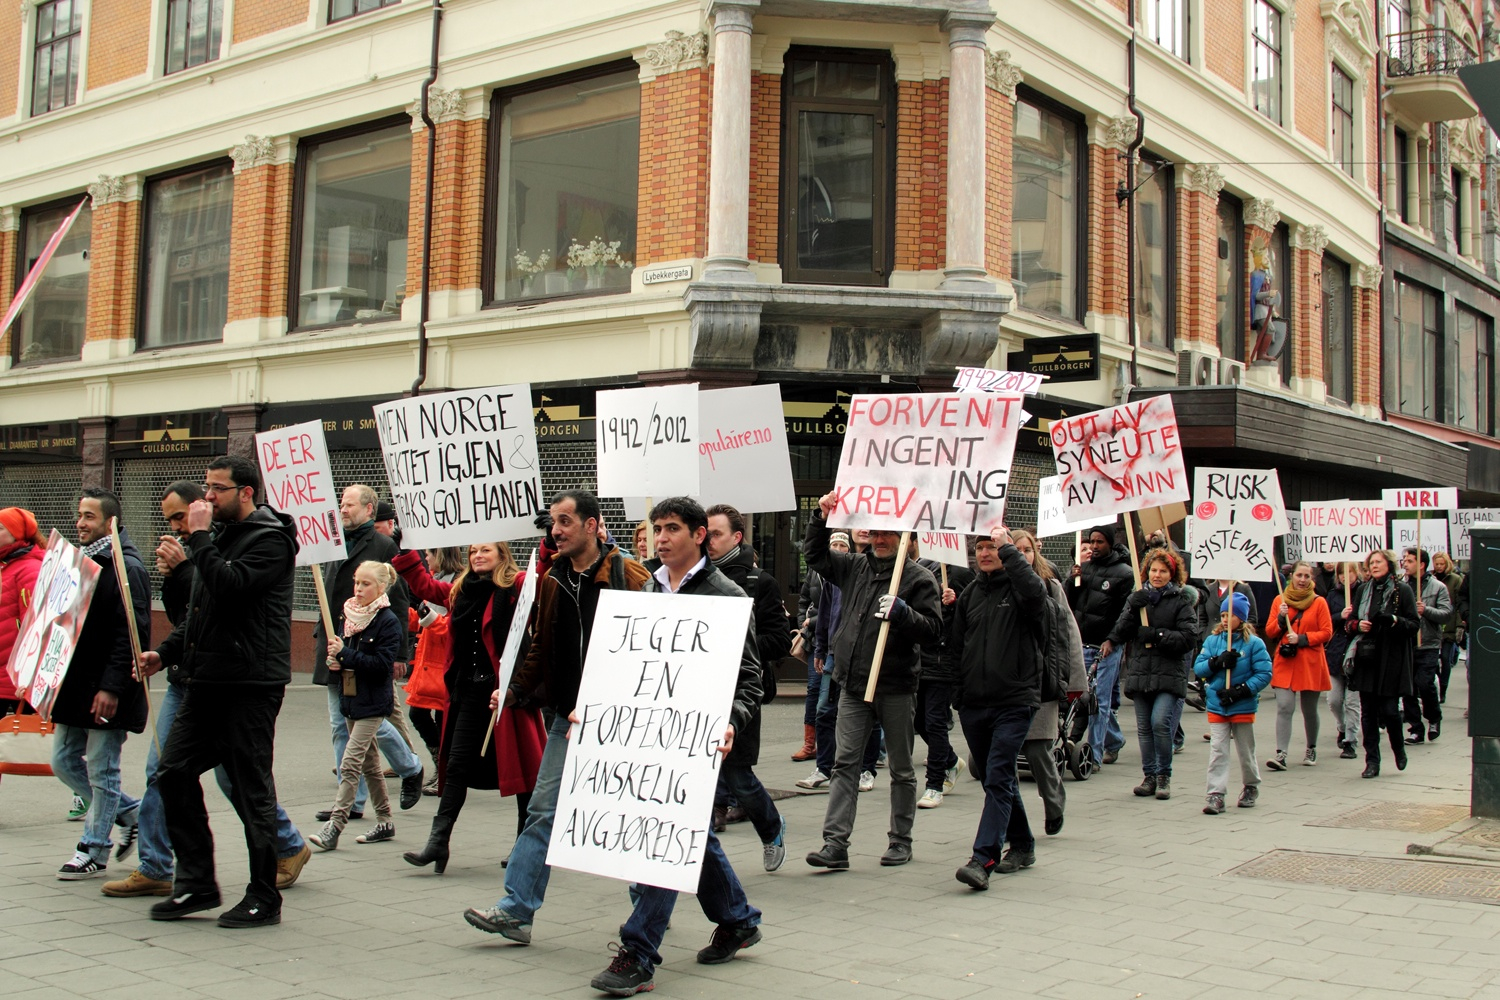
(1070,750)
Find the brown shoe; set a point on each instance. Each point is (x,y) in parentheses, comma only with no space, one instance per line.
(136,884)
(809,744)
(288,869)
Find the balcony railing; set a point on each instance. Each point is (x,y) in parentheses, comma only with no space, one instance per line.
(1431,50)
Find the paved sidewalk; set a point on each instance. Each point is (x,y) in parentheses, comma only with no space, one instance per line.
(1133,899)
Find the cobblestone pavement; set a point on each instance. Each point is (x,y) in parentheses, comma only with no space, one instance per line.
(1134,899)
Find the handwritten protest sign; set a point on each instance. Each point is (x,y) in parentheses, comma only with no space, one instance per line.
(520,616)
(1051,517)
(1404,534)
(1120,459)
(926,462)
(742,454)
(944,547)
(638,784)
(989,380)
(1422,498)
(1291,542)
(294,468)
(49,630)
(1233,528)
(1342,530)
(462,465)
(647,441)
(1463,520)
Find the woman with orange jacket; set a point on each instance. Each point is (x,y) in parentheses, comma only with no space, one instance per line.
(1298,628)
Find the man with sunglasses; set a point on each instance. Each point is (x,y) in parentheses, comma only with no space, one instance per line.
(234,652)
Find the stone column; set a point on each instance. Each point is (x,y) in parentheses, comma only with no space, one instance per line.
(1308,244)
(729,144)
(1108,254)
(1002,77)
(114,268)
(672,204)
(964,262)
(261,239)
(454,284)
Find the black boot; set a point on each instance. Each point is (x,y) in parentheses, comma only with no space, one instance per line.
(436,851)
(1398,745)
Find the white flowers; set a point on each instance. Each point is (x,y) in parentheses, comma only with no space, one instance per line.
(596,254)
(525,264)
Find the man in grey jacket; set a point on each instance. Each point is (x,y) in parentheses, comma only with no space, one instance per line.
(1434,608)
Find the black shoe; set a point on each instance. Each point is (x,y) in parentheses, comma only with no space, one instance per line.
(1433,732)
(895,855)
(1054,826)
(1348,752)
(178,906)
(720,819)
(1372,769)
(1015,860)
(975,874)
(831,857)
(251,912)
(727,942)
(324,815)
(1400,756)
(411,789)
(625,976)
(1414,739)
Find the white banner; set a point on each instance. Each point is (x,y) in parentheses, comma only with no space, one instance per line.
(1232,533)
(926,462)
(1051,518)
(1404,534)
(1120,459)
(1463,520)
(294,468)
(647,441)
(1421,498)
(519,616)
(1342,530)
(944,547)
(638,784)
(462,465)
(1291,542)
(742,454)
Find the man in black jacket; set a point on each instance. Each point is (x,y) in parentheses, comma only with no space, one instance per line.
(235,649)
(996,644)
(1106,583)
(916,619)
(734,557)
(100,699)
(362,542)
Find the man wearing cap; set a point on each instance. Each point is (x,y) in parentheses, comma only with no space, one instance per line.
(21,551)
(357,510)
(1104,584)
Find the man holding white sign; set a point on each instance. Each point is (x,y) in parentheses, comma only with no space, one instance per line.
(681,544)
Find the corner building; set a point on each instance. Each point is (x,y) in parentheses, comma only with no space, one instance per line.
(837,197)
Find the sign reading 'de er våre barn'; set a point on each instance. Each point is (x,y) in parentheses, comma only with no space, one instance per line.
(643,758)
(462,465)
(1118,460)
(294,468)
(926,462)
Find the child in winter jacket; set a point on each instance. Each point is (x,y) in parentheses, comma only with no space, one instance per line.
(1236,676)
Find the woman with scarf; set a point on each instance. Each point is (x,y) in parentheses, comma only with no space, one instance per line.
(480,602)
(364,656)
(1298,629)
(1378,663)
(1161,625)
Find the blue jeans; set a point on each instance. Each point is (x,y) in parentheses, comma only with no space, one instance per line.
(400,756)
(155,845)
(738,781)
(88,762)
(814,689)
(995,735)
(719,893)
(528,872)
(1104,727)
(1154,726)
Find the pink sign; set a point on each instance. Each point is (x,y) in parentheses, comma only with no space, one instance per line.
(49,631)
(1125,458)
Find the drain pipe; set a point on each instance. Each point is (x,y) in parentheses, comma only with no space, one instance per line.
(432,72)
(1129,198)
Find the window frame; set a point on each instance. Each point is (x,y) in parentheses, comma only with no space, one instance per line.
(143,253)
(1484,346)
(489,252)
(1285,277)
(1184,25)
(1239,278)
(77,45)
(883,214)
(1346,335)
(305,146)
(215,52)
(1344,152)
(329,19)
(1255,43)
(1080,199)
(68,201)
(1169,244)
(1432,409)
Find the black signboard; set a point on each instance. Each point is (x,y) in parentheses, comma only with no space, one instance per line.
(1061,359)
(41,442)
(348,424)
(201,432)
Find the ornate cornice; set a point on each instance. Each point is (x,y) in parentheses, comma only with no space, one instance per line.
(255,151)
(1262,214)
(677,52)
(1001,74)
(1204,178)
(442,106)
(1310,238)
(107,189)
(1366,276)
(1348,34)
(1119,131)
(10,219)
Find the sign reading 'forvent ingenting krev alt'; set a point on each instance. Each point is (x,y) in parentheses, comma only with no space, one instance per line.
(643,760)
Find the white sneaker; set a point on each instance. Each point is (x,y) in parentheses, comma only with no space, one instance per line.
(931,799)
(866,780)
(951,777)
(815,780)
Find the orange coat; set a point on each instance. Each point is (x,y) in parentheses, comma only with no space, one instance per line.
(1308,669)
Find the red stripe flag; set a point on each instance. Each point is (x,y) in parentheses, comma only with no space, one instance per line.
(34,276)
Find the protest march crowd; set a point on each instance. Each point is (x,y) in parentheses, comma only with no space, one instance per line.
(603,662)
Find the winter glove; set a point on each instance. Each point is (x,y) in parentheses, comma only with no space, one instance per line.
(1236,694)
(1149,636)
(430,614)
(893,609)
(1226,660)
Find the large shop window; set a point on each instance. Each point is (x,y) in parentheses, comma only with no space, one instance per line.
(51,328)
(1471,395)
(1167,24)
(1338,330)
(1155,254)
(566,187)
(185,272)
(1417,358)
(350,248)
(194,31)
(1265,63)
(1047,244)
(1229,278)
(837,167)
(59,43)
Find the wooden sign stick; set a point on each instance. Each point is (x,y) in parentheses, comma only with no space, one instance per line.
(1419,549)
(885,626)
(650,530)
(1078,557)
(135,636)
(1135,563)
(1229,638)
(1348,596)
(317,571)
(944,568)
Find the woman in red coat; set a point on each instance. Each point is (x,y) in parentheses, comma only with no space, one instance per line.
(480,602)
(1296,631)
(21,553)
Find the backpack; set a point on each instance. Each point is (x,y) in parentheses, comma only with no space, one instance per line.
(1054,650)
